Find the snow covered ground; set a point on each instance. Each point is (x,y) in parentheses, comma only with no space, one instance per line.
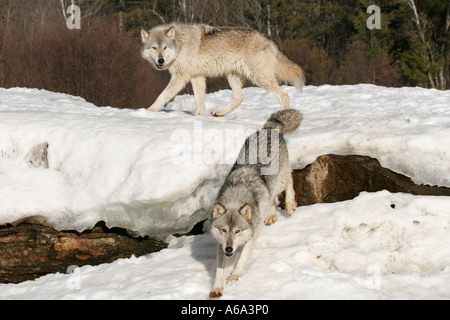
(158,173)
(357,249)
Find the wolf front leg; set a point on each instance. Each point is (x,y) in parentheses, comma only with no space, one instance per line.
(241,265)
(235,82)
(175,85)
(199,87)
(272,218)
(217,290)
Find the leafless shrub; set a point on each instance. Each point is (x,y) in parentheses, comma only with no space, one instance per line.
(98,63)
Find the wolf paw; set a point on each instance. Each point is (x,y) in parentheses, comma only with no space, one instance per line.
(152,109)
(218,113)
(290,207)
(270,220)
(233,277)
(216,293)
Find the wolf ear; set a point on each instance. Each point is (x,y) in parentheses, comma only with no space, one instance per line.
(246,211)
(170,33)
(219,210)
(144,35)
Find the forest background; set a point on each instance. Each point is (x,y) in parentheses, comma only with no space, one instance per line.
(101,62)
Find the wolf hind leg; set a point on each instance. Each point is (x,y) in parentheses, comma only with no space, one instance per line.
(282,95)
(290,202)
(268,81)
(235,82)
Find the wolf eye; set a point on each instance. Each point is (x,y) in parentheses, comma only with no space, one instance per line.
(165,47)
(223,230)
(238,230)
(154,48)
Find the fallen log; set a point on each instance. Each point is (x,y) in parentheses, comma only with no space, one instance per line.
(28,251)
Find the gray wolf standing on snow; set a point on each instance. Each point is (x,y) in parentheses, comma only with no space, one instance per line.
(193,52)
(247,197)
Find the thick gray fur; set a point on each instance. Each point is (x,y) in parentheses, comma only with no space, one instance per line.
(246,200)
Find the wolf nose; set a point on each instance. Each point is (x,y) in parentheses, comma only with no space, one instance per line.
(228,249)
(161,61)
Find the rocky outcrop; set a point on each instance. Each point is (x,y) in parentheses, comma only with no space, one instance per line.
(333,178)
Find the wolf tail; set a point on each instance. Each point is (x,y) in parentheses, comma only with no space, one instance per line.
(286,121)
(289,72)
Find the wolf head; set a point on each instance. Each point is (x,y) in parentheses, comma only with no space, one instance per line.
(231,227)
(159,46)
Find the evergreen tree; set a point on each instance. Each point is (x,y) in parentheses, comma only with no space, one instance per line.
(425,57)
(368,57)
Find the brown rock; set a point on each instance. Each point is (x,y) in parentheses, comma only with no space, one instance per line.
(333,178)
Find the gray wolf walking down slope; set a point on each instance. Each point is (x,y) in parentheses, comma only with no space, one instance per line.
(193,52)
(247,197)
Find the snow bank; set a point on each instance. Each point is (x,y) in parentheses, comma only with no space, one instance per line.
(376,246)
(158,173)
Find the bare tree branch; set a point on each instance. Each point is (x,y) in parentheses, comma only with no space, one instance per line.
(422,31)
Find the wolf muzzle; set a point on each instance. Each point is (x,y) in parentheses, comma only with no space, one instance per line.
(160,63)
(229,252)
